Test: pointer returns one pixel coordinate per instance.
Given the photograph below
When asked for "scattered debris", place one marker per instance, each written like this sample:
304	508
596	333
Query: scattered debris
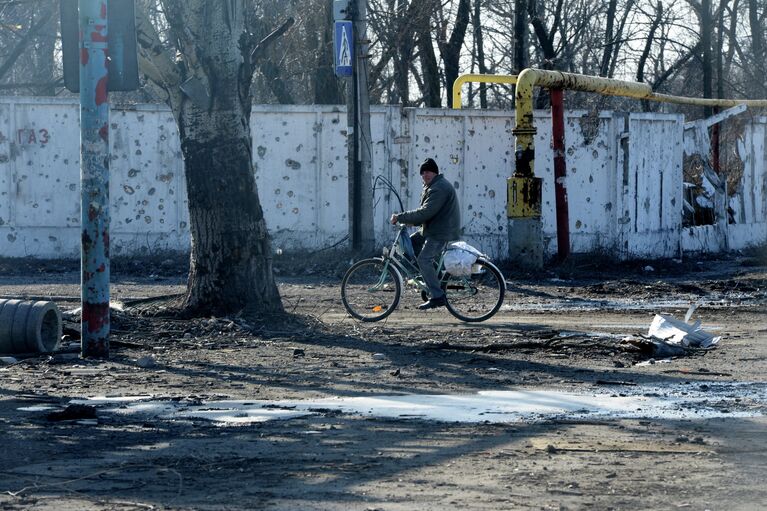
615	382
674	332
146	362
668	337
663	350
652	361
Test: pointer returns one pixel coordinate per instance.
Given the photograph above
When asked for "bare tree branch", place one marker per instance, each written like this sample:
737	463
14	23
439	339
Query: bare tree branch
22	45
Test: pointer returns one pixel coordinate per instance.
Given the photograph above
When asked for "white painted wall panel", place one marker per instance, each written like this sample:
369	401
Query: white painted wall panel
439	136
389	141
590	169
488	160
5	165
740	236
46	146
332	176
300	158
655	183
749	204
755	187
700	238
147	189
284	154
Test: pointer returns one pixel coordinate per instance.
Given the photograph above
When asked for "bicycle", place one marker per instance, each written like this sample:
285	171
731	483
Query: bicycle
371	288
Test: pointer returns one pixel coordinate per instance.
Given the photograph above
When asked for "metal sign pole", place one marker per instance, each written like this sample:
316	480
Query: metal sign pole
94	177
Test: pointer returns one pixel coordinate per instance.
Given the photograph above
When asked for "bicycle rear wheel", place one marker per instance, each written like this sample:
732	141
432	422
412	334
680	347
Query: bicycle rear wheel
477	297
371	289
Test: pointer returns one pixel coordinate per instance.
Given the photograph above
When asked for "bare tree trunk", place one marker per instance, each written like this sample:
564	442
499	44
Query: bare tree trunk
757	46
545	36
480	44
326	87
451	49
648	46
619	38
607	53
731	37
231	257
648	42
720	50
430	86
404	45
706	28
209	93
520	35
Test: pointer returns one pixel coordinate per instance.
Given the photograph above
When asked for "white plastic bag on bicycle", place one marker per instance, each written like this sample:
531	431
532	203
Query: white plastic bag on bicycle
459	258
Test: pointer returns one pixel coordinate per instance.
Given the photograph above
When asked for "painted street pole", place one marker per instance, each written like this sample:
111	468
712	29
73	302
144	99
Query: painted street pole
350	50
94	177
365	240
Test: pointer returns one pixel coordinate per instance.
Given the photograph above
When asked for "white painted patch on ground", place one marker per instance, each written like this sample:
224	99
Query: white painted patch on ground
679	402
632	304
37	408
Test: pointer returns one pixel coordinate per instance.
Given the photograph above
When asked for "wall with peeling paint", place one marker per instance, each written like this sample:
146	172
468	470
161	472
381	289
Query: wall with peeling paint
624	178
740	213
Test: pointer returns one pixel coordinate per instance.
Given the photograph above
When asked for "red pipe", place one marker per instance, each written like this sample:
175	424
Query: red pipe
560	174
715	144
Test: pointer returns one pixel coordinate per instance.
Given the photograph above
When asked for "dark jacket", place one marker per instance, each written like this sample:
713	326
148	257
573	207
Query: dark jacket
439	215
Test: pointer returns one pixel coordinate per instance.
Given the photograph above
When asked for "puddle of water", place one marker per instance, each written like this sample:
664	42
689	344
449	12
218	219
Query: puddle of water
711	400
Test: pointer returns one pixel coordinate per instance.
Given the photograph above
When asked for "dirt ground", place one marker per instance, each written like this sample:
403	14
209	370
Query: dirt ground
575	329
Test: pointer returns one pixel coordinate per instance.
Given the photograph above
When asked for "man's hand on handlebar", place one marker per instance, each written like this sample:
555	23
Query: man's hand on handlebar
393	219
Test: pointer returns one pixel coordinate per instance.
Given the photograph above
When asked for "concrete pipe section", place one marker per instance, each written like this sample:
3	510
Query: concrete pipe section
29	327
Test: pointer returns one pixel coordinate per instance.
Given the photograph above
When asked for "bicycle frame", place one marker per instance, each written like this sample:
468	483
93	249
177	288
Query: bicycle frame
409	270
398	263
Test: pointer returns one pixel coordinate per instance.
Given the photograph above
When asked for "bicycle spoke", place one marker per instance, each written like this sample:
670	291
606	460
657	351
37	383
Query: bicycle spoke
370	290
476	297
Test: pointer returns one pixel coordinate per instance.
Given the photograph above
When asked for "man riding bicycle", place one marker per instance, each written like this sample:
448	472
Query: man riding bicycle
440	219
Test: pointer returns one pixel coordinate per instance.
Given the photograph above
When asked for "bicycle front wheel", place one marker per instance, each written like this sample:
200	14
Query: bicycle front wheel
477	297
371	289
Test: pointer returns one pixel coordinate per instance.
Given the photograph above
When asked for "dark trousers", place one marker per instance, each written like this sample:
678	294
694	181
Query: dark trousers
428	250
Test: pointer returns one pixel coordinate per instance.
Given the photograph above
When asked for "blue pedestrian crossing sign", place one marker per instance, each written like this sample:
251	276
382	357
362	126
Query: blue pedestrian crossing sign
343	48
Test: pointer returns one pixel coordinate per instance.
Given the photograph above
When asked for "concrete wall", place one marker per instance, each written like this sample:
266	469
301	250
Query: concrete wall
624	178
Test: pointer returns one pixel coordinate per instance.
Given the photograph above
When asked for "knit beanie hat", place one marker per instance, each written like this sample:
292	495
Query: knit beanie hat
430	165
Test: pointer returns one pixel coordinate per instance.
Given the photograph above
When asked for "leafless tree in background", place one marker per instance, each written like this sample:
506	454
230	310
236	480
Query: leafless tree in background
27	47
417	48
451	47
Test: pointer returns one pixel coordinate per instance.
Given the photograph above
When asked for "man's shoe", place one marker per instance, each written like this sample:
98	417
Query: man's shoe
432	303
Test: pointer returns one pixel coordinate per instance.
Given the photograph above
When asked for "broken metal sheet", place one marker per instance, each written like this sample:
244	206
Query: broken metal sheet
716	118
669	330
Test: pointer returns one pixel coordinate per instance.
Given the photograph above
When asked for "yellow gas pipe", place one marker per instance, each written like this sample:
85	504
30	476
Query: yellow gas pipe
524	131
458	83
